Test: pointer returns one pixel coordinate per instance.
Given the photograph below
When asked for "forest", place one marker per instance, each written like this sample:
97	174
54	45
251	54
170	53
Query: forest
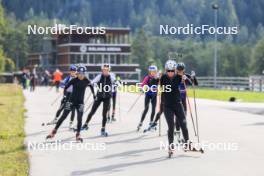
238	55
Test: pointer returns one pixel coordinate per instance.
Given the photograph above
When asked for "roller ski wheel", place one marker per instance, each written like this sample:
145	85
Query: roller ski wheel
104	133
78	138
51	135
170	152
190	148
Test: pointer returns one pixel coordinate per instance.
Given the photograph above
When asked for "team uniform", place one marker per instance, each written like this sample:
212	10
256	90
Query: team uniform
150	97
76	101
104	94
114	96
66	98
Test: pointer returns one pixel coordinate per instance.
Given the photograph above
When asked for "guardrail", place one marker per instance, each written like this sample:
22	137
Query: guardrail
252	83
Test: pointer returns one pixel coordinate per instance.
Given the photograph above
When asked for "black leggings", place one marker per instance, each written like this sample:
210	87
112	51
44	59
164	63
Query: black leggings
177	126
68	108
170	113
96	104
153	100
159	113
62	106
114	105
177	120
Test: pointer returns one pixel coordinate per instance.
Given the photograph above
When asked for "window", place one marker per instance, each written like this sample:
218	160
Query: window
91	59
106	59
113	59
98	58
85	58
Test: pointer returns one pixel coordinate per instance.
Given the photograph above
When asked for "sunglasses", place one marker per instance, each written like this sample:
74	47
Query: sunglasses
170	71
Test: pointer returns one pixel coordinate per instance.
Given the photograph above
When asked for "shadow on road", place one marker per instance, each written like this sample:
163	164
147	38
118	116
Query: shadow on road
118	167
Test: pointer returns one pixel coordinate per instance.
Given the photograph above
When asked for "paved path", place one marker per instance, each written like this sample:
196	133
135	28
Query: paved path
133	153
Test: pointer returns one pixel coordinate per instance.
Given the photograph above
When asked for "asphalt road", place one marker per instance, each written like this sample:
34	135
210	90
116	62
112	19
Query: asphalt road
232	136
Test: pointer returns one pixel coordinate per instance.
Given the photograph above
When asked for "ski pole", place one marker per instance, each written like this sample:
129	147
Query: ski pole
119	107
88	98
56	99
159	102
196	116
88	107
135	102
190	108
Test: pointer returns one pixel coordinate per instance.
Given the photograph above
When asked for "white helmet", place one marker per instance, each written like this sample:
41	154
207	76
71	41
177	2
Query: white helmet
170	65
106	66
153	68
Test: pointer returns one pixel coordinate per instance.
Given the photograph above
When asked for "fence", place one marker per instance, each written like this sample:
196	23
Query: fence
252	83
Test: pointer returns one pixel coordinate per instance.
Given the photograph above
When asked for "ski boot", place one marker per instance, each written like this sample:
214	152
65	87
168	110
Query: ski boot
51	135
178	136
139	126
170	150
78	138
103	132
84	127
151	127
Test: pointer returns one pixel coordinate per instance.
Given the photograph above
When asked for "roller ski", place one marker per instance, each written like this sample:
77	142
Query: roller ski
178	137
170	152
104	133
53	122
139	126
84	127
188	147
51	135
78	138
152	126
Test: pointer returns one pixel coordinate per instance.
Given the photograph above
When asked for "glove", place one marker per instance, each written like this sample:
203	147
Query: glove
184	77
141	90
193	74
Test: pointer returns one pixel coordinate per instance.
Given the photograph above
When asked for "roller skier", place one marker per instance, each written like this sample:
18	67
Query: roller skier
191	79
173	107
66	96
151	83
116	84
76	101
104	82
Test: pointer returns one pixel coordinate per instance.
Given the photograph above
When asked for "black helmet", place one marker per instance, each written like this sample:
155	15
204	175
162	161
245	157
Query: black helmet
81	69
180	66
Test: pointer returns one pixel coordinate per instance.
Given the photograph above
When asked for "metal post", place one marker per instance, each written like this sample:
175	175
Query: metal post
215	8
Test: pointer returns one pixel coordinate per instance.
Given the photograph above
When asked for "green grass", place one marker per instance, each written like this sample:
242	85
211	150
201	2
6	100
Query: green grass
13	156
224	95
